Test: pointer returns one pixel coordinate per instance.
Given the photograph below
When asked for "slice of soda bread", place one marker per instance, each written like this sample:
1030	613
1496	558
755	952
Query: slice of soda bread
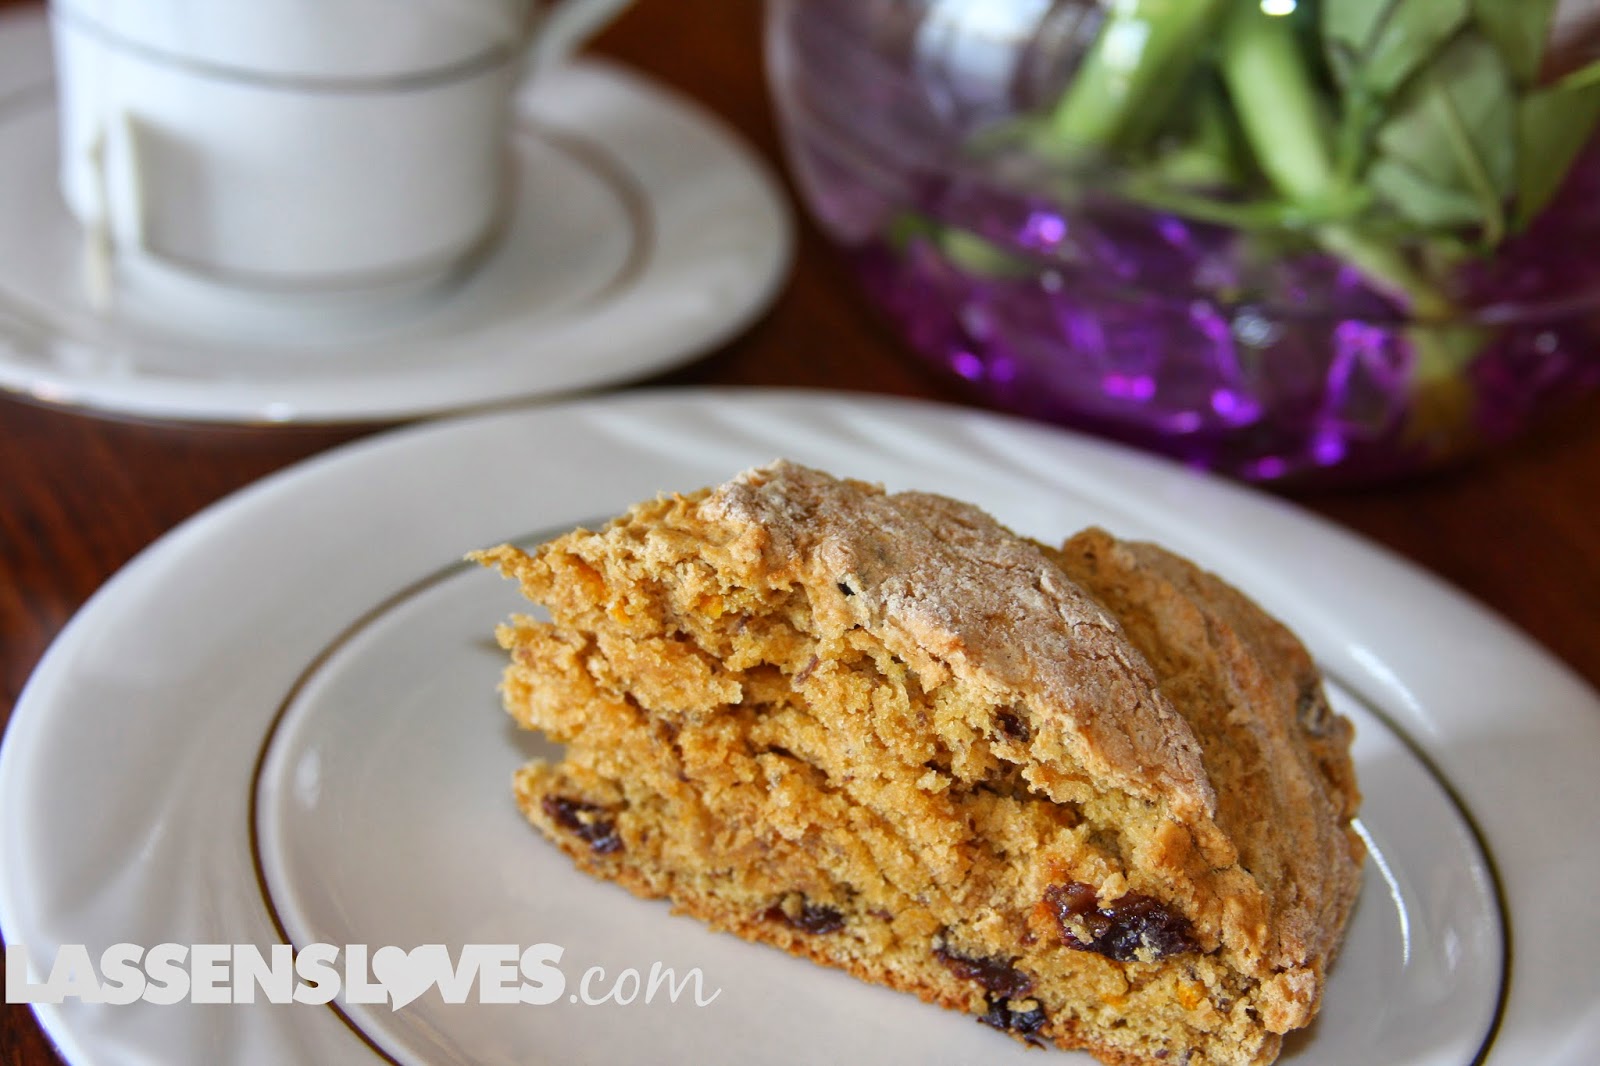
1091	795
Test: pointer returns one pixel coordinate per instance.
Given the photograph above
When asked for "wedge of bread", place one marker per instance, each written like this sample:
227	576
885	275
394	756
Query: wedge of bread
1091	795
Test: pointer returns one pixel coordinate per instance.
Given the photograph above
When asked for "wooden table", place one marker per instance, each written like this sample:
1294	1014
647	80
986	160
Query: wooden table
79	496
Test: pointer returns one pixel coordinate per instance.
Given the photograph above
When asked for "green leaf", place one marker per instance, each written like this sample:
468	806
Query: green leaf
1552	127
1351	24
1373	57
1408	38
1421	200
1519	28
1582	77
1454	127
1373	46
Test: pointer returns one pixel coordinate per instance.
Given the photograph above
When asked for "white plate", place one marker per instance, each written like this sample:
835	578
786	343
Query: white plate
280	721
644	233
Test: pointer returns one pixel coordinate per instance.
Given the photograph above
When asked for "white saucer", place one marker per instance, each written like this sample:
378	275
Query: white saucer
643	234
170	776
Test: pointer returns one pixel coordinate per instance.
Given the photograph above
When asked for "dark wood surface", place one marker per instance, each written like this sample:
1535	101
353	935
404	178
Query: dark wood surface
1519	530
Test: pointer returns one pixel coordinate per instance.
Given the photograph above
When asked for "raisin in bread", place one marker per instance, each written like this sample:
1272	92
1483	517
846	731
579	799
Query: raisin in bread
1091	795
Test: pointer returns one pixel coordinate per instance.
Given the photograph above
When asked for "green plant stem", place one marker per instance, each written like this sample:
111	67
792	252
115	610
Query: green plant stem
1276	103
1385	267
1143	50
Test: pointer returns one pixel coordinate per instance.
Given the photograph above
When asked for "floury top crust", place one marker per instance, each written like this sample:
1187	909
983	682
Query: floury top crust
954	592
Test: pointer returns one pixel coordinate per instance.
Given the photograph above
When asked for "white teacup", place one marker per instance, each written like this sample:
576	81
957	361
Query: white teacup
325	151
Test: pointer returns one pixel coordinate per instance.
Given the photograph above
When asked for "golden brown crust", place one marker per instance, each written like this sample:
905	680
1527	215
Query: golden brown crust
1089	794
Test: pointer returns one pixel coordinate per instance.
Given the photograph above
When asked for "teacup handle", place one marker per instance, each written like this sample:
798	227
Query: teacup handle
112	159
565	26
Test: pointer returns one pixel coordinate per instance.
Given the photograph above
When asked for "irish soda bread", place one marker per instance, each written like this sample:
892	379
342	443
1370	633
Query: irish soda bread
1090	795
